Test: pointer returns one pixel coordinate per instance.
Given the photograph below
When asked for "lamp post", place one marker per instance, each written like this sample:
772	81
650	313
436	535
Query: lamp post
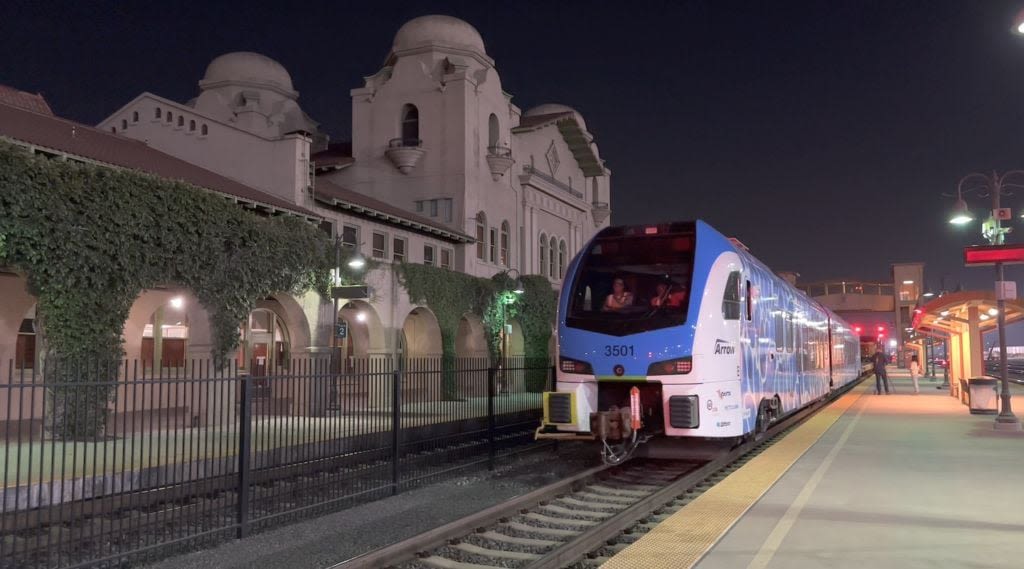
994	185
507	297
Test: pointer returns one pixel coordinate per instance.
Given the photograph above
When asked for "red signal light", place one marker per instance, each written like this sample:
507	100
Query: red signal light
881	329
857	329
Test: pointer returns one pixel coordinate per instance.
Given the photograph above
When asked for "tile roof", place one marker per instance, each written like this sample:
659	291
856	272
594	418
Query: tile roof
337	156
65	136
22	100
334	195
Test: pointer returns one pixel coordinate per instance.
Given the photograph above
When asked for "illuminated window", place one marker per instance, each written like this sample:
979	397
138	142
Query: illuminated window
504	242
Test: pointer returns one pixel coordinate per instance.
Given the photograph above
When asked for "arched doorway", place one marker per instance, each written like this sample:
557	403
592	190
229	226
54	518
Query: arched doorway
165	339
25	350
420	356
264	344
514	350
472	357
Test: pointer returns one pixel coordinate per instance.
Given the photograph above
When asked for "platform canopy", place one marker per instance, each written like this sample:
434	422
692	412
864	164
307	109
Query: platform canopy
962	318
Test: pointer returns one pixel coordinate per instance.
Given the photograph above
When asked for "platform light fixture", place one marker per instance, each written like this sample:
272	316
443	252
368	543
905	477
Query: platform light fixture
177	302
993	311
961	215
994	185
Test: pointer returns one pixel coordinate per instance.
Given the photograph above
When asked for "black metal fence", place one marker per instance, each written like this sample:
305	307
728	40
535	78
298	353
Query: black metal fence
107	465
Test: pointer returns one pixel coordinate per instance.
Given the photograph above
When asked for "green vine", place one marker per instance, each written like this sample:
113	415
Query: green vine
451	295
90	239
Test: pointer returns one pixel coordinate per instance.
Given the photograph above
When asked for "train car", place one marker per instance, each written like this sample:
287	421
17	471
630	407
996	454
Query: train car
674	330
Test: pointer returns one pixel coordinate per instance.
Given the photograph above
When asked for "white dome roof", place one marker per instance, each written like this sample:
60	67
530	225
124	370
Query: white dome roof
440	30
554	108
249	67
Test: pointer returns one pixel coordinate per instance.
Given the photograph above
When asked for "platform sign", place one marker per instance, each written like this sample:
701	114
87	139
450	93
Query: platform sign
1006	290
351	292
991	254
1002	214
342	331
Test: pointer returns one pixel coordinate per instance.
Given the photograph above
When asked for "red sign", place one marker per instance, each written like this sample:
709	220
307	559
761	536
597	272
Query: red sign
992	254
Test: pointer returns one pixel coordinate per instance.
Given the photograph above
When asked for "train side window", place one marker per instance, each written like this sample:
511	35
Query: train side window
731	298
780	330
750	303
790	332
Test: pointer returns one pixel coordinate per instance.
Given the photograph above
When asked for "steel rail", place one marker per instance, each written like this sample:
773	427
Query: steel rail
595	537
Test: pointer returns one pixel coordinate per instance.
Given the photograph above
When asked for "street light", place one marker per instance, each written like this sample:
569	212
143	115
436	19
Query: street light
517	290
994	185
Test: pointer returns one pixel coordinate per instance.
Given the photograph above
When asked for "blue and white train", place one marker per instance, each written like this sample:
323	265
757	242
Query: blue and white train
675	330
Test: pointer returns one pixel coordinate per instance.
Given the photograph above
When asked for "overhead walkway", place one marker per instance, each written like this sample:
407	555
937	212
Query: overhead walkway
877	481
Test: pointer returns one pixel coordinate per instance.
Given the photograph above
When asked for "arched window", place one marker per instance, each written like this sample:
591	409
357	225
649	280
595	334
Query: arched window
492	131
124	124
543	254
113	129
191	126
170	116
205	130
561	259
593	192
410	126
135	116
504	243
553	257
157	112
264	343
181	120
481	235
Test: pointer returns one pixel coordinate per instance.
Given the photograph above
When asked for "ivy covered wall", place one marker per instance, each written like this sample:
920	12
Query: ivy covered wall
451	295
90	239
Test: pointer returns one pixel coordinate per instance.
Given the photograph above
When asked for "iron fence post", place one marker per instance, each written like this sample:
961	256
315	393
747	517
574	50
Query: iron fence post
491	375
244	449
396	428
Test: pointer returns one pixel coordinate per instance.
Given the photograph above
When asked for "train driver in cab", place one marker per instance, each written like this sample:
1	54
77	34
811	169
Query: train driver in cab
619	298
668	295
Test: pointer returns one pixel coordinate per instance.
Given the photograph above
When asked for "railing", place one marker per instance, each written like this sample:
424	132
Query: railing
405	143
842	287
502	151
107	465
551	180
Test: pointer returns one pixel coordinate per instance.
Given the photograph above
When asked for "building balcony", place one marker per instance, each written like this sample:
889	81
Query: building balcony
405	153
600	212
529	171
499	160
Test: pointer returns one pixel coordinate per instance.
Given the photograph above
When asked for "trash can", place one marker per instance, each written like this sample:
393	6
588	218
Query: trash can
965	394
983	400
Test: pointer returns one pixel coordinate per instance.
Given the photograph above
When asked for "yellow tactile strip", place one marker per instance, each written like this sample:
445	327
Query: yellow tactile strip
681	540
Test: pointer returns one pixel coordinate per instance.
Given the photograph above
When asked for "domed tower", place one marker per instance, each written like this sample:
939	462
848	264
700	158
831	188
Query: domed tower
253	92
433	126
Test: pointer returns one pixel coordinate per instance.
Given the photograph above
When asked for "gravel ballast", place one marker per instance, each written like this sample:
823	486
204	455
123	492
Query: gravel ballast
331	539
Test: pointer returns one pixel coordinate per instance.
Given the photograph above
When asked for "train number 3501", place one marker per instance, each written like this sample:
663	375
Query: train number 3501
620	350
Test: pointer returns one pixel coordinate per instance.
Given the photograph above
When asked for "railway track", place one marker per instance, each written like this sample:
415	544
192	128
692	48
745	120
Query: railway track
577	522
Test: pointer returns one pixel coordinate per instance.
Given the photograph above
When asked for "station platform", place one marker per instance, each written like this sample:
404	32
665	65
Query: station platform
877	481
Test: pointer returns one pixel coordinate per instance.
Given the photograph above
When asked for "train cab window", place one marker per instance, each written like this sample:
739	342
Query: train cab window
731	304
629	282
750	303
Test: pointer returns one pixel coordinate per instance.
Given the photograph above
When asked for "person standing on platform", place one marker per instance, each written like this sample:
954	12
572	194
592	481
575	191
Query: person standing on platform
915	372
879	361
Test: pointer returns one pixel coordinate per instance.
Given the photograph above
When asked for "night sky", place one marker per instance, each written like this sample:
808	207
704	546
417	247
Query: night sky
822	134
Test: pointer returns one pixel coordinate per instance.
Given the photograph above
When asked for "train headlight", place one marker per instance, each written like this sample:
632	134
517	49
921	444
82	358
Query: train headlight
677	366
569	365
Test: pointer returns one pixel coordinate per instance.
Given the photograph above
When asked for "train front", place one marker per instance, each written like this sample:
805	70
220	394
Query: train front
628	325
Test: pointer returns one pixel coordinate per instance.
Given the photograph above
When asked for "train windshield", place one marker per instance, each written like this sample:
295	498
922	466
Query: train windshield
632	281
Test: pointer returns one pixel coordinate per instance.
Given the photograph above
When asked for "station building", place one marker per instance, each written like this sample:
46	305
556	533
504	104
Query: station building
884	310
441	169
